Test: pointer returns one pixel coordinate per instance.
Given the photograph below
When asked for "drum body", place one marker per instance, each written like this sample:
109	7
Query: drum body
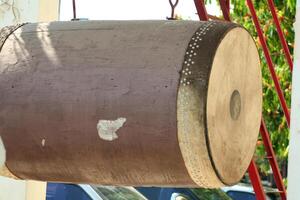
143	103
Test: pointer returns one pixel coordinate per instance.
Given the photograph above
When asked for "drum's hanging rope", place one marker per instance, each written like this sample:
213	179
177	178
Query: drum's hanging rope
173	6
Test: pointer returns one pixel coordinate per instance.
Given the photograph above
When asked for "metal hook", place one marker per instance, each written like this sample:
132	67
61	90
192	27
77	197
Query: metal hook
74	10
173	6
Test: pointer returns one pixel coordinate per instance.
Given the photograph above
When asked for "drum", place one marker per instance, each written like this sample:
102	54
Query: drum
140	103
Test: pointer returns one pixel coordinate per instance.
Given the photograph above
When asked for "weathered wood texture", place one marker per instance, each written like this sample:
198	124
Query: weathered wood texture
59	79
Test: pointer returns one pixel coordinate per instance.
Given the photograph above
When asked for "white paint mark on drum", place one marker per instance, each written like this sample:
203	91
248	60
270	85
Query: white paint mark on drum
107	129
43	142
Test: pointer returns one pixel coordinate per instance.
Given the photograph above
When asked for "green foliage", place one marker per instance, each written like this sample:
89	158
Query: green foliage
272	111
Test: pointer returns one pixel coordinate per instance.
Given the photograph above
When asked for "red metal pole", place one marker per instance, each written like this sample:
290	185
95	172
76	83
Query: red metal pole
228	5
201	10
225	9
280	34
272	159
269	61
74	9
255	180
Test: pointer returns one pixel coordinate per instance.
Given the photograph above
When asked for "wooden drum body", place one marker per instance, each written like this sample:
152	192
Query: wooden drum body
164	103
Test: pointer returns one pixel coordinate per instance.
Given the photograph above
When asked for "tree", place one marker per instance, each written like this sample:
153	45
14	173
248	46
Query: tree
272	112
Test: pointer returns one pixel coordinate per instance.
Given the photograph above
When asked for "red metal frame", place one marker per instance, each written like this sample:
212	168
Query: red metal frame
269	61
252	169
263	130
201	10
272	159
225	7
280	34
228	5
256	182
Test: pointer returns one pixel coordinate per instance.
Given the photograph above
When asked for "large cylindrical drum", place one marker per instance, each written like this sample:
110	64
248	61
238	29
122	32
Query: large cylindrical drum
143	103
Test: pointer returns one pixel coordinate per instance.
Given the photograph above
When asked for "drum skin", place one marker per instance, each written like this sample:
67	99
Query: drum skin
126	102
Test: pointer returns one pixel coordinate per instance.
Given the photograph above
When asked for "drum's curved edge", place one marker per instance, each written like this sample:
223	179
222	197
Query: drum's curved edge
5	33
209	179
